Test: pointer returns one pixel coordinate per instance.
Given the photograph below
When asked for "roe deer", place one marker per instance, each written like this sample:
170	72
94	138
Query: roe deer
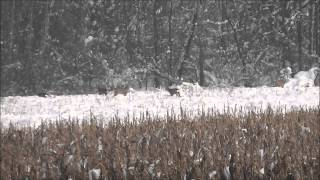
123	91
173	91
102	90
280	82
42	94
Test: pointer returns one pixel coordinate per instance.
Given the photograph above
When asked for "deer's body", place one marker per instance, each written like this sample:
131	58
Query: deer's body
174	91
123	91
102	90
280	82
42	94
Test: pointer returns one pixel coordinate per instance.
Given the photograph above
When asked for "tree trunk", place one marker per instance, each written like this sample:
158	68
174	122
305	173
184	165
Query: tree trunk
129	44
311	23
238	44
155	40
222	26
201	65
44	44
46	25
170	40
186	51
12	27
316	28
299	37
29	52
284	45
236	38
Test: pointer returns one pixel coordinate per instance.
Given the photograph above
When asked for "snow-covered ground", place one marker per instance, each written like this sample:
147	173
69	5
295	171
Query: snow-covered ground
32	109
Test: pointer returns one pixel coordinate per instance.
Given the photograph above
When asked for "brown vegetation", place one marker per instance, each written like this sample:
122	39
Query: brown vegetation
267	145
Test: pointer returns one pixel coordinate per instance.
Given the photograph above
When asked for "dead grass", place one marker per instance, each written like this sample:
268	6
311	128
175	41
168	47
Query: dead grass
212	146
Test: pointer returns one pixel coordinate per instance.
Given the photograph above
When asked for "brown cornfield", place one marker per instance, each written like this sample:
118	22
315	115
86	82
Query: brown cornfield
259	145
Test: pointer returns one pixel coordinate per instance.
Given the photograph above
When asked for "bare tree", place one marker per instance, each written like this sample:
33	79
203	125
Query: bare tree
12	30
170	39
155	40
186	50
316	27
299	35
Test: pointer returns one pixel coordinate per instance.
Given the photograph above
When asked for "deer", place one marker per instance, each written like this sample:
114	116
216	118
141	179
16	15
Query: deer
280	83
42	94
173	91
121	90
102	90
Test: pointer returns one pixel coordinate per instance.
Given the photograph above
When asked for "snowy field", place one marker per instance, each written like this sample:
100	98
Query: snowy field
32	110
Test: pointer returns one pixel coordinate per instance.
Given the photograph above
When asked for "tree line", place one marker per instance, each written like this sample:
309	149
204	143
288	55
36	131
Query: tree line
72	46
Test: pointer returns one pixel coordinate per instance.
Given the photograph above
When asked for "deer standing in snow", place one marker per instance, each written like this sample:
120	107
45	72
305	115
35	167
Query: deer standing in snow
173	91
124	91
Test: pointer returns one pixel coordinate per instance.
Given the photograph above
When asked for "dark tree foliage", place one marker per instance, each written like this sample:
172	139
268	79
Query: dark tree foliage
77	46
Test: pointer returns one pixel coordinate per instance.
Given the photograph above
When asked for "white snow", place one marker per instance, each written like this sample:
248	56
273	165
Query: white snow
226	172
310	75
261	171
94	174
302	79
212	174
31	110
88	40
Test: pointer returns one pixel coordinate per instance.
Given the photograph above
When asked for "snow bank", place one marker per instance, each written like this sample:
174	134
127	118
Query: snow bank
302	80
310	75
32	109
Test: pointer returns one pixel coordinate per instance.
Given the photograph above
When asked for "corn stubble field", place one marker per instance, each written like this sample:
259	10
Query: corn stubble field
264	145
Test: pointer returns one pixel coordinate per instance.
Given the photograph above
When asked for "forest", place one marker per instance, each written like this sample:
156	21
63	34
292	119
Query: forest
76	46
160	89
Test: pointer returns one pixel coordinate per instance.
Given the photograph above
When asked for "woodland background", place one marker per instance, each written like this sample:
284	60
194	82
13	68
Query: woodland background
75	46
